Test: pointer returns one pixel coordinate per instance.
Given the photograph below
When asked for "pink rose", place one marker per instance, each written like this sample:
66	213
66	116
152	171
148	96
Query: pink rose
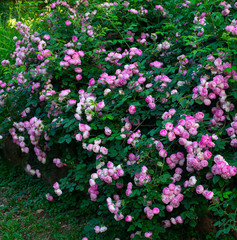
156	210
169	126
108	131
97	229
74	38
171	136
162	153
104	150
46	37
163	132
78	77
82	127
218	62
56	186
207	154
68	23
148	234
179	219
199	189
53	5
128	218
49	198
199	116
132	109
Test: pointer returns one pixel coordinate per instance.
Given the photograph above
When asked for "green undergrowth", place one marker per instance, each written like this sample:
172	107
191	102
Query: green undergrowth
7	44
27	215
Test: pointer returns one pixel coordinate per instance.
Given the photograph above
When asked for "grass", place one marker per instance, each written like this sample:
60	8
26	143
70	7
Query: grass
7	44
25	212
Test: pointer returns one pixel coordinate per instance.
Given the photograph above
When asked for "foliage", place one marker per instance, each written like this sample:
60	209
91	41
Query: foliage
18	9
137	100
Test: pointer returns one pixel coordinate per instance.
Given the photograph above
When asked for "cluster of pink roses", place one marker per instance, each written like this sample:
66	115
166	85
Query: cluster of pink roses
167	223
196	157
175	159
33	172
218	117
182	62
40	154
232	28
99	229
200	19
161	10
114	57
130	36
232	132
88	105
226	6
58	162
133	138
44	54
107	175
177	175
96	148
151	102
129	189
142	178
168	114
191	182
93	191
22	52
143	40
172	196
190	123
141	12
218	86
34	128
72	58
57	190
19	140
207	194
132	159
114	208
151	212
121	79
222	168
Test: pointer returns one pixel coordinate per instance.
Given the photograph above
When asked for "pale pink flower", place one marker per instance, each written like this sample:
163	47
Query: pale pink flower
104	150
49	198
218	62
58	192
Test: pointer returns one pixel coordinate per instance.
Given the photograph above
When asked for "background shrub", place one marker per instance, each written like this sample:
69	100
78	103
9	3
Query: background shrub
137	99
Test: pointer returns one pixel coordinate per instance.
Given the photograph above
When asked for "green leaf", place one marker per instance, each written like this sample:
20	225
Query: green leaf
216	179
193	223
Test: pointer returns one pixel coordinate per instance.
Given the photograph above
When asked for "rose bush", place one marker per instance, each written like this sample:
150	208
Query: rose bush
138	99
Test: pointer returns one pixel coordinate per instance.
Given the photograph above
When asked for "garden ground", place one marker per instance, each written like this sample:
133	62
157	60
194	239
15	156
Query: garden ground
24	214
